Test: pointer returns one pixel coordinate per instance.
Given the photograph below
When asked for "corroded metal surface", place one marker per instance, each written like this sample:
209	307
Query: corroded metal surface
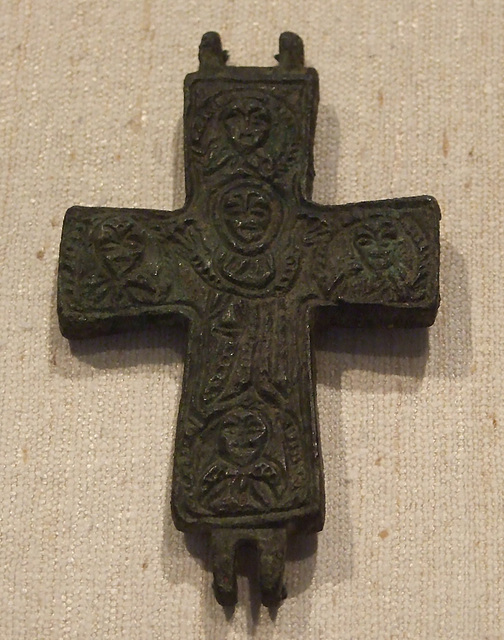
248	261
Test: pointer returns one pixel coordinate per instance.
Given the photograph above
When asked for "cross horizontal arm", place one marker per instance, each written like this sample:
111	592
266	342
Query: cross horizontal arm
120	268
376	263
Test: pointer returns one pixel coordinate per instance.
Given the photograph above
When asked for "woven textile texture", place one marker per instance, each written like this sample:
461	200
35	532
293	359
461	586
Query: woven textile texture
412	423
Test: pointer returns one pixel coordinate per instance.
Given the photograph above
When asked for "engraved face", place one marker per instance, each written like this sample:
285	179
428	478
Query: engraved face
378	244
242	437
257	130
120	244
247	124
248	216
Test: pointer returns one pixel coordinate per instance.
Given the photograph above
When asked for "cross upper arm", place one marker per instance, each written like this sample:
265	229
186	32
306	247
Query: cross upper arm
119	268
376	263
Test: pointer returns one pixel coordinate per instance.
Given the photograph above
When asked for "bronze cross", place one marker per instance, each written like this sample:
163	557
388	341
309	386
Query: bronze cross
249	262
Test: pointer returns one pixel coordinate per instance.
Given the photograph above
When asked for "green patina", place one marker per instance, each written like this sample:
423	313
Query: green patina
249	262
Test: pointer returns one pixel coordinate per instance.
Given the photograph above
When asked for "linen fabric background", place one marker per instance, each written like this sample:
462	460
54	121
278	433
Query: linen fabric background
411	98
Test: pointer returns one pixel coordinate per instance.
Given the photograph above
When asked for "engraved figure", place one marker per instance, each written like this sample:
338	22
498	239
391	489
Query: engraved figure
247	123
380	257
119	245
247	217
241	478
380	246
131	267
388	259
245	131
